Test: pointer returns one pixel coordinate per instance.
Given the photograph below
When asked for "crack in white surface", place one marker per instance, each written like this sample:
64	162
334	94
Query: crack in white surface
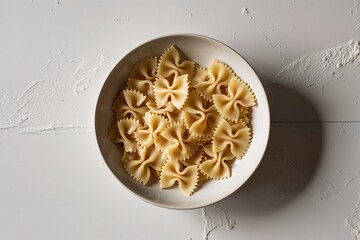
213	221
353	178
328	189
268	42
47	64
30	88
209	224
274	44
225	221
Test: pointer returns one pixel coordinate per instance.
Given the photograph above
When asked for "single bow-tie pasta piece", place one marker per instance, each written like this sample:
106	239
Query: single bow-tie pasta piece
142	76
174	90
144	69
200	116
144	164
179	144
239	97
173	172
235	137
215	81
130	104
126	129
215	166
149	133
171	65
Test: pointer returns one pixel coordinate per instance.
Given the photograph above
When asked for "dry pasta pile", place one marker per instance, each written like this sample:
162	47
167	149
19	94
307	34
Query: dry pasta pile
181	124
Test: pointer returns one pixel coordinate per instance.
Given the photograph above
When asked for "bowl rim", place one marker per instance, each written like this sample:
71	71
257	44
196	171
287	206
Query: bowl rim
95	135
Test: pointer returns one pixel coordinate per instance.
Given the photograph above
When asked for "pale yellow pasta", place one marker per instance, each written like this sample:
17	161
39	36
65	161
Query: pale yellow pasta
127	128
130	104
173	172
179	144
169	111
235	137
181	126
200	75
215	167
144	69
144	86
200	116
239	96
171	90
215	81
175	116
142	76
207	153
244	116
171	64
168	107
147	134
208	150
195	159
144	163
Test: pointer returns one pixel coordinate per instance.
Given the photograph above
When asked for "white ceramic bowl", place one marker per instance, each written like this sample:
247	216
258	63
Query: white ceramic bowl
201	50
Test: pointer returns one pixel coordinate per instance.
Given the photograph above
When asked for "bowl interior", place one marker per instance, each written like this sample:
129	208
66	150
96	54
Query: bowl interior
201	50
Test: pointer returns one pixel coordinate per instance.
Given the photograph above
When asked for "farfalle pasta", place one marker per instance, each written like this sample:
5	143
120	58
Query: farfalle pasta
144	163
125	134
167	108
195	159
149	133
172	65
214	80
130	104
142	76
200	116
173	91
233	137
180	145
181	124
145	69
239	97
173	172
215	166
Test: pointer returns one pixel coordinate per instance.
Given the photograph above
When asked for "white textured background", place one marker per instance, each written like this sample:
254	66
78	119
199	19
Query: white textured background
55	55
